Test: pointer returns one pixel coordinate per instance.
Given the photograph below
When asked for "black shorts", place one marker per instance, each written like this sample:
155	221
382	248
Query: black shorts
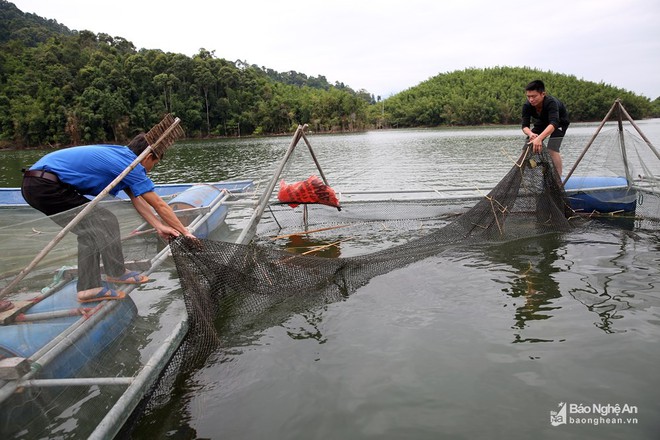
556	138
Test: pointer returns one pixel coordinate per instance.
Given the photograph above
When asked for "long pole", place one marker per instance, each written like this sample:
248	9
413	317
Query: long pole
88	207
244	237
622	144
318	165
591	141
648	142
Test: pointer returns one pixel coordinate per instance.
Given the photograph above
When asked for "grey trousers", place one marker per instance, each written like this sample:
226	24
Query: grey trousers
98	232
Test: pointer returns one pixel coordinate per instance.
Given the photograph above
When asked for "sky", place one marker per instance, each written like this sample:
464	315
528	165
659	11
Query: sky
387	46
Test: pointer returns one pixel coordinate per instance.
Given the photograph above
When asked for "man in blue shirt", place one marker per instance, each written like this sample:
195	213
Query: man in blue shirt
550	121
59	182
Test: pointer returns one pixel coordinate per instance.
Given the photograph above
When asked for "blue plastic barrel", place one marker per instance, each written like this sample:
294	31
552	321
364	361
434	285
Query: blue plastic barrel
602	194
199	196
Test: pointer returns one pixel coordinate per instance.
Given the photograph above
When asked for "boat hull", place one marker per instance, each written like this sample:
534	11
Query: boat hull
11	197
24	339
590	194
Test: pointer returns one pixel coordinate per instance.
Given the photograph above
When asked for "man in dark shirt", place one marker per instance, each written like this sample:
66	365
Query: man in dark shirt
550	121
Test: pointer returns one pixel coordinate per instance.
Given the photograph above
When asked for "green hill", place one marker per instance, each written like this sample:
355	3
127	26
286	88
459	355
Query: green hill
29	29
495	96
60	87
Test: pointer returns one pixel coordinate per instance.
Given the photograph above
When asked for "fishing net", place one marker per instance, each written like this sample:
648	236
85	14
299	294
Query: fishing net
228	287
232	291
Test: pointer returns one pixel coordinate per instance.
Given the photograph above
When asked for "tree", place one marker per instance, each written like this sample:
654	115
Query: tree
205	81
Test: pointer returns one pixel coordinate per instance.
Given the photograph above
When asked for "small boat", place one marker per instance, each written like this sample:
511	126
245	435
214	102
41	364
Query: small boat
50	342
42	318
46	317
11	197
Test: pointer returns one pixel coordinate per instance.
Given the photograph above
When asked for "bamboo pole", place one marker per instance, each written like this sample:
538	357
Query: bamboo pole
622	144
79	381
244	237
124	406
591	141
32	317
320	248
318	165
648	142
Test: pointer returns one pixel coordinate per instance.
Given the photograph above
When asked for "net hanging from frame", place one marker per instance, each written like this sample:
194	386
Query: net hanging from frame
228	287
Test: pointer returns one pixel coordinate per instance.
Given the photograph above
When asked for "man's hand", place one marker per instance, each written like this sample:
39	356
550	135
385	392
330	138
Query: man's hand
536	142
167	232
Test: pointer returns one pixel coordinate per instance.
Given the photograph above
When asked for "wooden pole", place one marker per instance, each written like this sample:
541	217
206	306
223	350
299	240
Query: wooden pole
311	231
244	237
325	246
318	166
648	142
591	141
622	143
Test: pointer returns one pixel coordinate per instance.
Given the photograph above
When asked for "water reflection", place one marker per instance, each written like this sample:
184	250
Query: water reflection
306	245
532	281
306	325
591	265
605	286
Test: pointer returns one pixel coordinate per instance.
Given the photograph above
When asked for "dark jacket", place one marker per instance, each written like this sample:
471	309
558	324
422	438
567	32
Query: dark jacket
553	112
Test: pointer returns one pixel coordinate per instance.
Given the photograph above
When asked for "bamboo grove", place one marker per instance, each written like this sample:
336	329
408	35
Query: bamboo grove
60	87
495	96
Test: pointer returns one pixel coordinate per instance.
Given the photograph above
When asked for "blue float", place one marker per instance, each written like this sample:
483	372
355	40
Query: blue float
587	194
199	196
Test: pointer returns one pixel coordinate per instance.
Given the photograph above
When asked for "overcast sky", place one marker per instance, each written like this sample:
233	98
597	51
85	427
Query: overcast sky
386	46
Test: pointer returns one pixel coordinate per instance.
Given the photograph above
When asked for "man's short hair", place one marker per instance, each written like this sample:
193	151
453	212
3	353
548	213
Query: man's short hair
536	86
139	143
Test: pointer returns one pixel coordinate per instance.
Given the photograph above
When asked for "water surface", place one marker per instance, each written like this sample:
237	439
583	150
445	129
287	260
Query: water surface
474	343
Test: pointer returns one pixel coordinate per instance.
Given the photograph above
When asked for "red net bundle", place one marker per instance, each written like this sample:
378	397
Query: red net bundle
312	190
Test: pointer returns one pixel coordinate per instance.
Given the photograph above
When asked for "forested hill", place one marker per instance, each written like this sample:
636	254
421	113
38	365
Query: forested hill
60	87
495	96
63	87
30	29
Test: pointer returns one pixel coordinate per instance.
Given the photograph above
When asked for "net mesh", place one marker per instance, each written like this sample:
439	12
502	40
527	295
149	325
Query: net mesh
228	287
232	291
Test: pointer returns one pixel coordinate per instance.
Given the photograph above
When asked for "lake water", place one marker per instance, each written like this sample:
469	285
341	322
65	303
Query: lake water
478	343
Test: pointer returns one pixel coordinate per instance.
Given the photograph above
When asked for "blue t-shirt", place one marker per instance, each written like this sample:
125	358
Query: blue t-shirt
91	168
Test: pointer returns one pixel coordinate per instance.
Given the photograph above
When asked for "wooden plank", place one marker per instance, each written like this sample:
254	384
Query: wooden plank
8	316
